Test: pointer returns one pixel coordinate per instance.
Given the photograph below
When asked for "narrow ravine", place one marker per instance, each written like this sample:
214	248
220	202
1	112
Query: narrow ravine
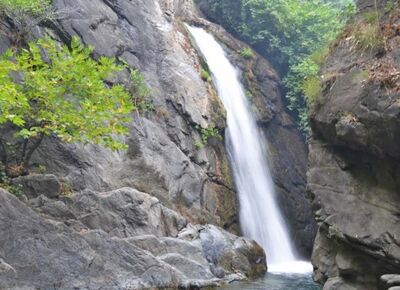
260	216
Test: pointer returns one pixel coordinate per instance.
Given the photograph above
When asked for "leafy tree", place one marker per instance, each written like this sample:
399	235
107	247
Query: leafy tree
48	90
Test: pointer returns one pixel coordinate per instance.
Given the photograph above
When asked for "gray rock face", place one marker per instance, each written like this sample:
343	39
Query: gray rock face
64	247
353	174
122	213
162	158
37	184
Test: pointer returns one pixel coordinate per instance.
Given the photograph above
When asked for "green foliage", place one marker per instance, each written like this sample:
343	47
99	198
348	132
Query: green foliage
48	90
249	95
312	90
289	32
319	56
205	75
371	17
294	82
142	95
288	29
367	34
206	134
66	188
5	183
247	53
389	7
25	15
34	7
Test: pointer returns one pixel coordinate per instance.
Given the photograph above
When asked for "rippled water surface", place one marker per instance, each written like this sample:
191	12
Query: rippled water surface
277	282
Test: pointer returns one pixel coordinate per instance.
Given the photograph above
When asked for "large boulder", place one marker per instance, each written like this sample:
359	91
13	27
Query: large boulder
50	250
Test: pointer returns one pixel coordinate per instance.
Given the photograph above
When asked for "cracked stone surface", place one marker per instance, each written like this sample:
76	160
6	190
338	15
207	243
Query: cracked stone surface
66	244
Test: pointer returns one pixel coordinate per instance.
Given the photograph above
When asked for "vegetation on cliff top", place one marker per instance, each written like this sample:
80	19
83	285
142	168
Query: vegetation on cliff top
26	6
24	16
289	32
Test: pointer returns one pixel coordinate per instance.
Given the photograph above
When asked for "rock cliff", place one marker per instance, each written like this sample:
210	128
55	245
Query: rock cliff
353	174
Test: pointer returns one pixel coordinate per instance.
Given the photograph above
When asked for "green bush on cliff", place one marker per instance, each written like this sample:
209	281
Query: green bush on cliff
140	92
28	6
206	134
25	15
367	34
247	53
48	90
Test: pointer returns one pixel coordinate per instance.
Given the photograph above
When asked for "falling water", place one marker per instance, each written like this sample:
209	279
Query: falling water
260	217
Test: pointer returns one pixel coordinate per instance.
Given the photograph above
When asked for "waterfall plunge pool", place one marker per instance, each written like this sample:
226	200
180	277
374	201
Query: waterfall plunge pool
272	281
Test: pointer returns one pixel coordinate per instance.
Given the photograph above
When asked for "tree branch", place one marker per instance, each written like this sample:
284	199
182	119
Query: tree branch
4	156
35	146
24	148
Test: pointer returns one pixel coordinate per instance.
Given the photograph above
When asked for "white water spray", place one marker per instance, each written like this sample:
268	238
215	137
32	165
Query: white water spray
260	217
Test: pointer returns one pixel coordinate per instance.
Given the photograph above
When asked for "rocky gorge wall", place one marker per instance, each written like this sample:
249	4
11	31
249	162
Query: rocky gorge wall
142	203
353	175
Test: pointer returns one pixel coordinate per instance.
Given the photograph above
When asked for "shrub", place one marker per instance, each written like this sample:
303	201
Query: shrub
25	15
319	56
205	75
206	134
312	90
142	100
247	53
60	92
367	36
33	7
5	182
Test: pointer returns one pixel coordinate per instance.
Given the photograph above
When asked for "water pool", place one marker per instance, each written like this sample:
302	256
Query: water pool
277	282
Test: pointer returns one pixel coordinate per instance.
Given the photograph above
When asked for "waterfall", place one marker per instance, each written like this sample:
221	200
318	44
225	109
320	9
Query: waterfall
260	216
